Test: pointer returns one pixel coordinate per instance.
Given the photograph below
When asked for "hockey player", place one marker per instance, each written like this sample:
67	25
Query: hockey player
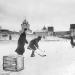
33	45
21	43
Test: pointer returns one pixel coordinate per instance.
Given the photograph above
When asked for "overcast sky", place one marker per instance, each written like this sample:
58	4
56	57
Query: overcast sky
57	13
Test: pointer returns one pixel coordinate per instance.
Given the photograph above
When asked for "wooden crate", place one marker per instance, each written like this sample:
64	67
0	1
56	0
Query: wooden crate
13	63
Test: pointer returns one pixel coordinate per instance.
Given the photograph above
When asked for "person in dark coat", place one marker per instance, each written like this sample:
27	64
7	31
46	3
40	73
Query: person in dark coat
21	43
72	42
10	37
33	45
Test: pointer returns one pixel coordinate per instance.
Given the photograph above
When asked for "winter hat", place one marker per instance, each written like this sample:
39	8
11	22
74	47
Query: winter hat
39	37
25	29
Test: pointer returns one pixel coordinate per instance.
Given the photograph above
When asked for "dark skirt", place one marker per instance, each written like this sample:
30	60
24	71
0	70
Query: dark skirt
20	50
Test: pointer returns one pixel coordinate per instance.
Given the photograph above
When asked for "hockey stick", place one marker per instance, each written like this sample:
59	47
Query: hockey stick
38	53
41	55
41	50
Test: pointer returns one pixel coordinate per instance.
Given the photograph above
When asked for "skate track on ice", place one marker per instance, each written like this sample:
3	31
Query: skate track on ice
60	59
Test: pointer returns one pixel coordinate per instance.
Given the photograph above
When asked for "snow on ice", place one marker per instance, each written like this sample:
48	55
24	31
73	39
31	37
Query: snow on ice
60	59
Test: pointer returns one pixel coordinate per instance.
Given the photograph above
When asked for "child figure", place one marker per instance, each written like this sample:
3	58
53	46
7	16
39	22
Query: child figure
33	45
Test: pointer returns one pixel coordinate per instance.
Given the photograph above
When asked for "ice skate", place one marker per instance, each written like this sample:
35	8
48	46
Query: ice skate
32	55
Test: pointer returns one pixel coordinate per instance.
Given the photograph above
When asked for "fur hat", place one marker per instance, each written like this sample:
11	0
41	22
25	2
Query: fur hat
25	29
39	37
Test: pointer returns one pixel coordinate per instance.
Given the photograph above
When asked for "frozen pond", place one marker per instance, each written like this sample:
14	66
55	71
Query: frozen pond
60	59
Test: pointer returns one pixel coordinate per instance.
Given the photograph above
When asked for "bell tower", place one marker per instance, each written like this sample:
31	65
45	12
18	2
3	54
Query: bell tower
24	25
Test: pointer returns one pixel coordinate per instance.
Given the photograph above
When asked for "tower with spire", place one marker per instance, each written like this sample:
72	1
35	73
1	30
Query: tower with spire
25	24
44	29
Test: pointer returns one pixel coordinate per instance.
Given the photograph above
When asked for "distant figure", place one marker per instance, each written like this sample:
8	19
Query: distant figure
33	45
72	42
21	42
10	37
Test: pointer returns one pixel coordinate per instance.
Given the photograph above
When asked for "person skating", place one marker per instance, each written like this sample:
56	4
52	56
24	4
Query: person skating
33	45
21	43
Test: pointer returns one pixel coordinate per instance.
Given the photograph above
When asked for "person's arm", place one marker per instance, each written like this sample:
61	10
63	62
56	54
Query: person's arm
26	41
36	44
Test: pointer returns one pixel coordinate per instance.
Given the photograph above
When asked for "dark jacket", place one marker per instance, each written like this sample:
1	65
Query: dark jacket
21	43
72	42
34	44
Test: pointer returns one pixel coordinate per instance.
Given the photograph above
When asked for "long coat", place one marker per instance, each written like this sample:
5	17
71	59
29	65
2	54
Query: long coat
21	43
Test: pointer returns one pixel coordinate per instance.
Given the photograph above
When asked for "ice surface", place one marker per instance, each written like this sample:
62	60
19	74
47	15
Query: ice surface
60	59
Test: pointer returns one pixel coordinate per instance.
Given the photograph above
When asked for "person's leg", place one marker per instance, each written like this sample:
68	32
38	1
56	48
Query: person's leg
32	54
28	48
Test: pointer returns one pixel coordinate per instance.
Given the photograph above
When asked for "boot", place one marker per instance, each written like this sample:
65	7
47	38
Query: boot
32	55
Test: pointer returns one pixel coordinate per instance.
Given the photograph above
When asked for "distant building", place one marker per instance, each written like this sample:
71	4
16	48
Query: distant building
72	26
40	33
44	29
62	33
7	34
45	32
50	30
